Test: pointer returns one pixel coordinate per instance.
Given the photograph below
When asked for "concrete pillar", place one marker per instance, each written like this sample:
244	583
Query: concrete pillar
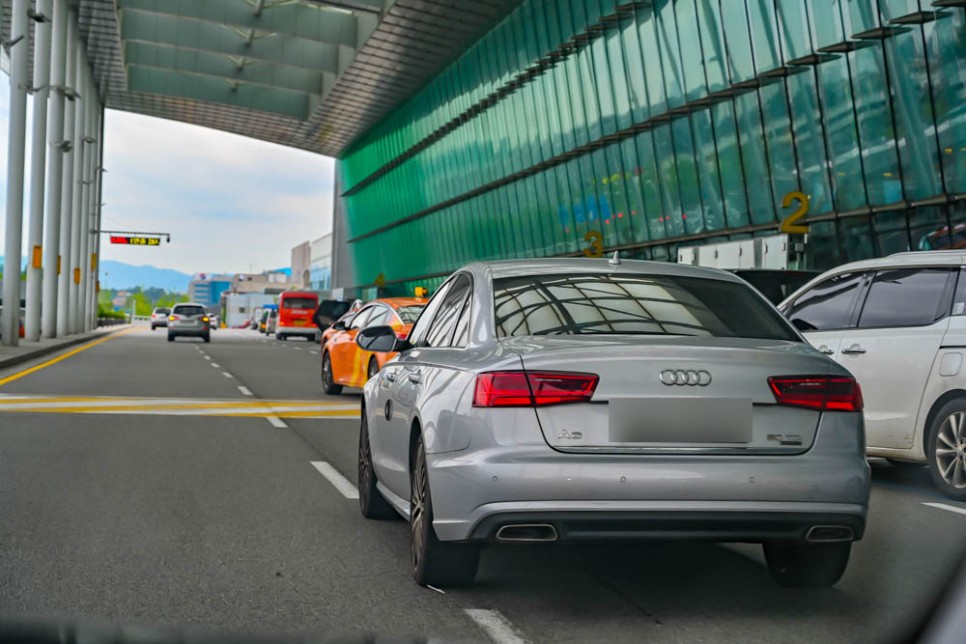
87	185
67	183
20	42
96	216
55	165
38	158
80	112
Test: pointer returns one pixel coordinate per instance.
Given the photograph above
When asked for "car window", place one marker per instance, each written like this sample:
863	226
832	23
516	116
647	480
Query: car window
461	337
379	317
633	304
299	303
409	314
827	305
907	297
359	321
441	332
418	335
162	311
189	310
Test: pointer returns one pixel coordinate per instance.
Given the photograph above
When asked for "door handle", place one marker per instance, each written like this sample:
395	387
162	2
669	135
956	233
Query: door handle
854	350
415	378
824	349
391	376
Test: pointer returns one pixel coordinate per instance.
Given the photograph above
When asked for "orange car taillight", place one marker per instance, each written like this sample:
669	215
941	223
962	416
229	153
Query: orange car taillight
821	393
535	388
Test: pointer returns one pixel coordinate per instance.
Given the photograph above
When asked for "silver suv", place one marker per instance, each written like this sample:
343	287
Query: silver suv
189	320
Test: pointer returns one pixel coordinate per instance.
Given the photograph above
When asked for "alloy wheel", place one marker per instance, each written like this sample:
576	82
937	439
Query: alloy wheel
365	466
417	510
951	450
327	371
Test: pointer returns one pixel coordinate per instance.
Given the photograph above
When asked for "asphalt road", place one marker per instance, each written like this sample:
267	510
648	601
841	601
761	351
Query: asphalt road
164	516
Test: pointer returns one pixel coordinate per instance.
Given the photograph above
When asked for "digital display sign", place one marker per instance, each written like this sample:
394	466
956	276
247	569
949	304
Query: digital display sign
134	240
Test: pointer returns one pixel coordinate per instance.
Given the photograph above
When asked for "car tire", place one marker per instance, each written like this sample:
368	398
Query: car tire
328	383
206	337
371	502
170	337
807	565
280	337
372	369
434	562
946	449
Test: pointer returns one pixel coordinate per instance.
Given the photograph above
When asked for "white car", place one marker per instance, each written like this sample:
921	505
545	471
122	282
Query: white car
898	324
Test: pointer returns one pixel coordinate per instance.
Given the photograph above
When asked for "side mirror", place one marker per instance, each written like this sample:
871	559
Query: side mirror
339	326
380	339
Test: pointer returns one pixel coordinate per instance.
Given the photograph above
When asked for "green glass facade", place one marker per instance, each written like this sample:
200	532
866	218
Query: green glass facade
663	123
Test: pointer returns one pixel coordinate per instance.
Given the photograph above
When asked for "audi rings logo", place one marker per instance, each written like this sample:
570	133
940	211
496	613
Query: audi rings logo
686	377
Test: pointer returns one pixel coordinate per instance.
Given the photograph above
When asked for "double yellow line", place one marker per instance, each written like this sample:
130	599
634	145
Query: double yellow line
63	356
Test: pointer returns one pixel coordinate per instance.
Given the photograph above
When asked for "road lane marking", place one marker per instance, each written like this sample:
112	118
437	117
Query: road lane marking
497	627
207	357
245	391
339	482
313	352
176	407
948	508
226	374
277	422
53	361
215	365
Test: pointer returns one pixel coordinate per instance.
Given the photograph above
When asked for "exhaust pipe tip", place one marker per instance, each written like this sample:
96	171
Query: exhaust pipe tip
527	533
829	534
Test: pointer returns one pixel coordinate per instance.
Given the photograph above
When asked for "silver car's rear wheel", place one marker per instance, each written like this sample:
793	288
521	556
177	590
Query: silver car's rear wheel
946	449
434	562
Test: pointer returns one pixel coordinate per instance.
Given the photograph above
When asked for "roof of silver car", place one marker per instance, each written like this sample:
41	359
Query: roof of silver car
517	267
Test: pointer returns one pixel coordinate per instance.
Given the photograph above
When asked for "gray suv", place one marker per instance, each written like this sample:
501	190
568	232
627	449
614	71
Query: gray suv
189	320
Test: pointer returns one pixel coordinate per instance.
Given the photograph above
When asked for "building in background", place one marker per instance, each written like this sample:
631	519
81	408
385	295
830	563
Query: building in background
272	282
301	261
576	127
206	289
240	307
320	266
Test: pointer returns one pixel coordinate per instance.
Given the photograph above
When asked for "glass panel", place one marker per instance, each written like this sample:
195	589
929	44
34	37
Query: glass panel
690	41
792	17
848	186
667	38
946	48
812	161
778	136
823	251
650	186
692	216
764	35
738	39
650	53
826	23
929	229
634	70
907	297
667	178
709	180
827	305
891	233
713	44
733	167
855	235
859	16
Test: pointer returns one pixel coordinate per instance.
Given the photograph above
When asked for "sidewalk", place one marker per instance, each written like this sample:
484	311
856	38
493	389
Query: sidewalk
26	351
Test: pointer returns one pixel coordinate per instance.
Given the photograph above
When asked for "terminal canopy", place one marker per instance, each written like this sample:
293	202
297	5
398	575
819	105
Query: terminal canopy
311	74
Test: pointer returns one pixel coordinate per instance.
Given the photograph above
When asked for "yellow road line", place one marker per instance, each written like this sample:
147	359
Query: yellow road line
74	352
160	403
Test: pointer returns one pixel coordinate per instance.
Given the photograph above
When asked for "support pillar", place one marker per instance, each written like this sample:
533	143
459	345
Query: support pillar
38	159
20	42
63	267
87	182
80	109
55	165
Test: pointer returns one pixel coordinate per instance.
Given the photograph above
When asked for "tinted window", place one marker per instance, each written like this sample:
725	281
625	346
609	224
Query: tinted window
359	321
633	304
461	337
162	311
776	285
418	334
299	303
907	297
379	317
826	305
409	314
189	310
441	332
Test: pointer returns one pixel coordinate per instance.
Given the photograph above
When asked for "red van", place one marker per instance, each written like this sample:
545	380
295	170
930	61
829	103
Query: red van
295	310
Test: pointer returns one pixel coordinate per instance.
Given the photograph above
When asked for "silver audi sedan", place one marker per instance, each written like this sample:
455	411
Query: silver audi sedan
580	400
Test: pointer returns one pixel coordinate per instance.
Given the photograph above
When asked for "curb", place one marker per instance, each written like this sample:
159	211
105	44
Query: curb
46	351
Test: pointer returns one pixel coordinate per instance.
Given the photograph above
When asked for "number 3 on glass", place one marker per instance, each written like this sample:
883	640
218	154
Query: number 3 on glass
595	244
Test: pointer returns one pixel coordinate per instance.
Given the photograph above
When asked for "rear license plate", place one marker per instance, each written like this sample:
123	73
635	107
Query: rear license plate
298	322
680	420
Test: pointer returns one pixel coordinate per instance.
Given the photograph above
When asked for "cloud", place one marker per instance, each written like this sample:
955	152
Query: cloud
230	203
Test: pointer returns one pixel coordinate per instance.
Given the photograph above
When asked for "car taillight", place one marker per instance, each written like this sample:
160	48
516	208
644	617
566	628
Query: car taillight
822	393
173	318
536	388
204	319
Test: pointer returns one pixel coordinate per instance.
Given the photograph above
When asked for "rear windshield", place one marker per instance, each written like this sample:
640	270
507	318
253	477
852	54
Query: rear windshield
189	310
408	314
162	311
299	303
633	305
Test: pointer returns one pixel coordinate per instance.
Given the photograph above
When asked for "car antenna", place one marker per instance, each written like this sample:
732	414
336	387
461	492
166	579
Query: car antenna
616	259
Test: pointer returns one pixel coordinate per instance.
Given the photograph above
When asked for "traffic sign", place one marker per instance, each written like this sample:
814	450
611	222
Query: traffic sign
135	240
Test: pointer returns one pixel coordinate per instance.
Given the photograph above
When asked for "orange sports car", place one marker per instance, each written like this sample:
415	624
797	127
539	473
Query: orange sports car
344	364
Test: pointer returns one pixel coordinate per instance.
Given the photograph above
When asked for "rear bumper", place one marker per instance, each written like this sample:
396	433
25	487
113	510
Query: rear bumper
188	332
308	331
575	522
159	323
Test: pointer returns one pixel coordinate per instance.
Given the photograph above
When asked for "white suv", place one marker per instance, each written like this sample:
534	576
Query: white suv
899	325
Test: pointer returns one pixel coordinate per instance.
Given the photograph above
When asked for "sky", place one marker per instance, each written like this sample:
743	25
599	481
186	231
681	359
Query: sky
231	204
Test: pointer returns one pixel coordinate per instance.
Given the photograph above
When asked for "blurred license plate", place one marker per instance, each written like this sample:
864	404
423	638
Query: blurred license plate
680	420
299	322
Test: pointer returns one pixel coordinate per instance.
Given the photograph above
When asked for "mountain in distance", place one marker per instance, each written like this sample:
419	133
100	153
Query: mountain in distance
118	275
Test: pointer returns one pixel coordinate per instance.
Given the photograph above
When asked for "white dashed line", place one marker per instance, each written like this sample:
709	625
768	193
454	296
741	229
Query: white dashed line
314	352
245	391
948	508
277	422
496	626
339	482
297	348
216	365
226	374
207	357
